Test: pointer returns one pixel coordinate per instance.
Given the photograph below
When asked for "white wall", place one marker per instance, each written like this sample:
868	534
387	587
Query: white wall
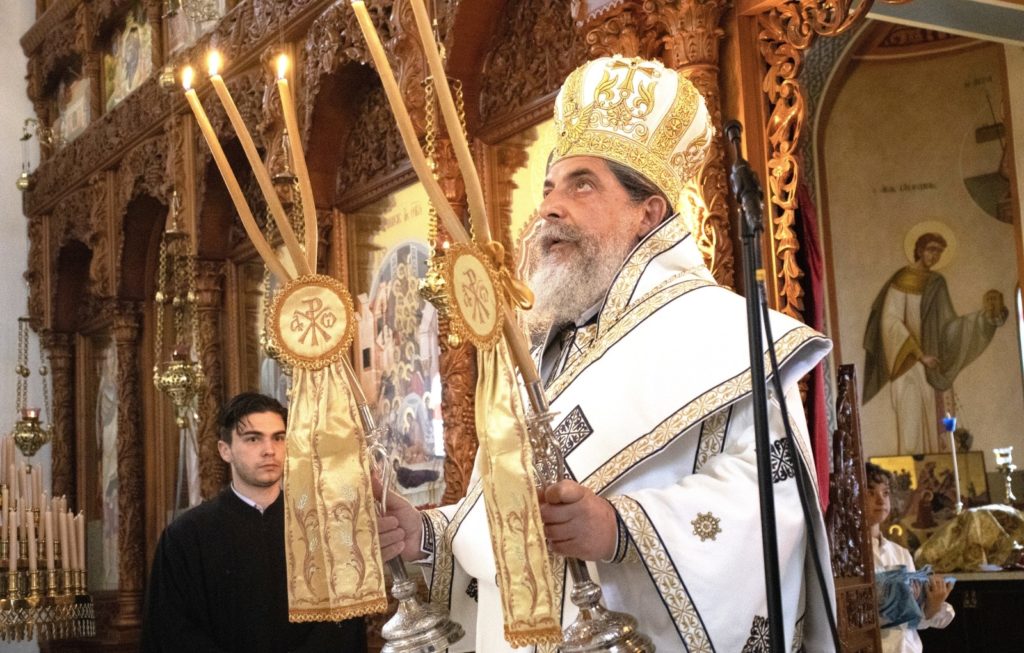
14	108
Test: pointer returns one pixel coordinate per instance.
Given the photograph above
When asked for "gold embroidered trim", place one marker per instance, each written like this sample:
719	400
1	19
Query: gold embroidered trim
807	458
311	322
694	411
298	615
444	558
615	332
471	280
665	575
442	566
559	570
625	282
712	437
513	511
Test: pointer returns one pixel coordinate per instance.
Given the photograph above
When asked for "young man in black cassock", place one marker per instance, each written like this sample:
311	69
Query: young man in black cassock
219	581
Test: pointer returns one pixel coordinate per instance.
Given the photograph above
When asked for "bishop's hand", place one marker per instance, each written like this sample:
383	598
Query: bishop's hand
400	528
577	522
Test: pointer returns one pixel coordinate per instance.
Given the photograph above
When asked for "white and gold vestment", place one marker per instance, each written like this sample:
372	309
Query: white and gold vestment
654	414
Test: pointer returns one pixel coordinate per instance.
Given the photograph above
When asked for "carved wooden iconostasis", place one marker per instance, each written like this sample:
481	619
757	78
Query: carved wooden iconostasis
103	194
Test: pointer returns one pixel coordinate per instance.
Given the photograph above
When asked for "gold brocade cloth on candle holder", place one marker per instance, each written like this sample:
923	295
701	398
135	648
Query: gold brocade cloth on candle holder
479	287
529	598
331	543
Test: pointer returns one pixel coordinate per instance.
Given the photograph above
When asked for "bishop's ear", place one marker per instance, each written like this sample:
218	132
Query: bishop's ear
654	209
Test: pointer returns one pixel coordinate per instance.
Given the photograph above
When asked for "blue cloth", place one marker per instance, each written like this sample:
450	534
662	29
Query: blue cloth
896	601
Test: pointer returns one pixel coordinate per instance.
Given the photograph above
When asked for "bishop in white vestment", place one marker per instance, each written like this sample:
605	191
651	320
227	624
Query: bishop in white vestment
651	388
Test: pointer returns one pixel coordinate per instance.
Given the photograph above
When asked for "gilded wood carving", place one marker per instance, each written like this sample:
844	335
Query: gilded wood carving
691	41
536	46
785	33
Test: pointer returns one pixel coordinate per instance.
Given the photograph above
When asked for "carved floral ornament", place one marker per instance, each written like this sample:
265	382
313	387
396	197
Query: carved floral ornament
785	31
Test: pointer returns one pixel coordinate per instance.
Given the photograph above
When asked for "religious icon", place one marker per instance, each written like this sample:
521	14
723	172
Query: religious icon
917	344
129	60
924	493
398	361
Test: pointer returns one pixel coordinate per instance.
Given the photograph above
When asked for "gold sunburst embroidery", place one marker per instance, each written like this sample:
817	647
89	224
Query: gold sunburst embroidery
706	526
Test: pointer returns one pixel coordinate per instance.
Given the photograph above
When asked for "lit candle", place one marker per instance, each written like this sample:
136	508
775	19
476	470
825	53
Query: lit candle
405	128
31	526
48	537
62	529
80	544
474	191
231	182
256	162
295	143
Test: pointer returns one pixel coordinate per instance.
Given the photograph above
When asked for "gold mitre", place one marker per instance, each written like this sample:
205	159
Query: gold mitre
638	113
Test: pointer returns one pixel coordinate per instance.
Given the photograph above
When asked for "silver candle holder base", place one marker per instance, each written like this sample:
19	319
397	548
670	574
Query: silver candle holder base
598	629
416	627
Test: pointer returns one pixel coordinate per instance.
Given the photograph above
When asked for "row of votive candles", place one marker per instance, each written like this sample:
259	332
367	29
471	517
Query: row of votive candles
40	531
31	525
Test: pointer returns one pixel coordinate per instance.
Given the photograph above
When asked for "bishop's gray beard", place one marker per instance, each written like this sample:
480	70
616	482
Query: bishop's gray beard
565	289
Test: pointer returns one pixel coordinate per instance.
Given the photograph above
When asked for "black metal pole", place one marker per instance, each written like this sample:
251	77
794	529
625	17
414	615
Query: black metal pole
747	191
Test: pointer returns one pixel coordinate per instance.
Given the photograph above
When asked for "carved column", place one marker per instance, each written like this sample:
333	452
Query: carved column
62	380
692	48
154	16
502	162
785	31
209	283
130	471
457	362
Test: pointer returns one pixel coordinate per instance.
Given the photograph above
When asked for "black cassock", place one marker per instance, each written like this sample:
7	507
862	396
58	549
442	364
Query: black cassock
219	584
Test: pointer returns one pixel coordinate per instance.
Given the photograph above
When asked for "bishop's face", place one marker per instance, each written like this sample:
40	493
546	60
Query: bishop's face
590	224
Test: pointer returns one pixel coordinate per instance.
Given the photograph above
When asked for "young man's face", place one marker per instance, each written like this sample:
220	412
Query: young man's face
877	504
256	452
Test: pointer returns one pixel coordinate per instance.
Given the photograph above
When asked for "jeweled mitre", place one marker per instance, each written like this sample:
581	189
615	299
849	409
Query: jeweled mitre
638	113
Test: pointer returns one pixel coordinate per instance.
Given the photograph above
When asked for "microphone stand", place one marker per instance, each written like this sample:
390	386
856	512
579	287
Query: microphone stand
747	191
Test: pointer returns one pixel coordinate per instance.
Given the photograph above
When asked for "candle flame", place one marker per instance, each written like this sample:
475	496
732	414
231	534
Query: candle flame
282	65
186	77
213	62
